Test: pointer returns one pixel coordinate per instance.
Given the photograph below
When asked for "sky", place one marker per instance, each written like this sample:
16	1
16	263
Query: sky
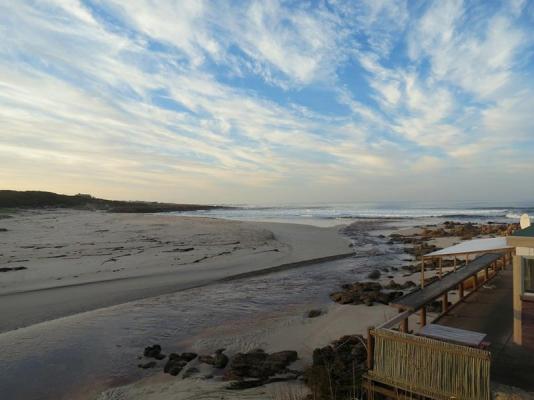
268	101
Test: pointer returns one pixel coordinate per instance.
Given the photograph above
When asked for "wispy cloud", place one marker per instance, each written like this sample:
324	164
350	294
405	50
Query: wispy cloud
213	101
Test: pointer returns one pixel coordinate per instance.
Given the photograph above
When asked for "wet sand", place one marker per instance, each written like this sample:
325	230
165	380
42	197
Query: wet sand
77	261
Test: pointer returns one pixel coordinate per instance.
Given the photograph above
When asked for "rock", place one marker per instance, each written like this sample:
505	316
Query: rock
260	365
220	360
188	356
374	274
206	359
342	297
174	366
276	363
153	352
150	364
177	362
314	313
3	230
190	372
248	364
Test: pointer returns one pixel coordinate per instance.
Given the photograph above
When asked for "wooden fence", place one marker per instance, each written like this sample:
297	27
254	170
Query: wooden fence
429	367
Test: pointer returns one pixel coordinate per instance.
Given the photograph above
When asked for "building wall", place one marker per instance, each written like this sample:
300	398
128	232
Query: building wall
523	305
527	323
524	251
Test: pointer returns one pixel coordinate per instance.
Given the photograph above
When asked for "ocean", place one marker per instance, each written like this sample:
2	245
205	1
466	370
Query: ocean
343	213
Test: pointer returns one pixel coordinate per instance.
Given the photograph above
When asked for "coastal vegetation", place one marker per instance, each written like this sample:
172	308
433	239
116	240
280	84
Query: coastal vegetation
39	199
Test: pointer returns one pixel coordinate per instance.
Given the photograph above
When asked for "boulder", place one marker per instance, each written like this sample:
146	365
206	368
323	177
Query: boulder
220	360
174	366
314	313
375	274
190	372
188	356
260	365
206	359
154	352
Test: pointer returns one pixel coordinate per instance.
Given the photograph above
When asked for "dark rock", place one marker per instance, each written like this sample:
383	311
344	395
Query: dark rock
258	364
153	351
3	230
188	356
276	363
190	372
150	364
220	360
374	274
314	313
343	297
248	364
206	359
174	366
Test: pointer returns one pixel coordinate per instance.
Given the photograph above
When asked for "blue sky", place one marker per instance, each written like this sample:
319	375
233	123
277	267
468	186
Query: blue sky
267	101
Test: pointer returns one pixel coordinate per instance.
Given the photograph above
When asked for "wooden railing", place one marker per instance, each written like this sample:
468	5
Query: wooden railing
428	367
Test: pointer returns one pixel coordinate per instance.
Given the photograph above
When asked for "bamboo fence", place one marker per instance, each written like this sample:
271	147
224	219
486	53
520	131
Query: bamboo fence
429	367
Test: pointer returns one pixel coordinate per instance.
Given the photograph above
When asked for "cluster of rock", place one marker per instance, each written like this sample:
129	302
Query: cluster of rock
257	368
246	370
338	365
177	362
370	292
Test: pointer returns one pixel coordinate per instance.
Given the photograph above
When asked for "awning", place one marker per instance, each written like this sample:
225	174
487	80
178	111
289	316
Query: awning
473	246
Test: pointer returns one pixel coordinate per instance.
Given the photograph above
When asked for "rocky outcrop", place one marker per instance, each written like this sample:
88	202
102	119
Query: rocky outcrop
257	367
154	351
314	313
375	274
177	362
218	360
364	293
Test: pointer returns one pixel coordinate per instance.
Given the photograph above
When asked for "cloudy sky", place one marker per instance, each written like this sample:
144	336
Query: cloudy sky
267	101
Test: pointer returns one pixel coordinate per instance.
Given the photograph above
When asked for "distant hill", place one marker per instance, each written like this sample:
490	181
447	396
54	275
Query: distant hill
38	199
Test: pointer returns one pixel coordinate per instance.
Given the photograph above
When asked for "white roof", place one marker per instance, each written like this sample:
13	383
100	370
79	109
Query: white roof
473	246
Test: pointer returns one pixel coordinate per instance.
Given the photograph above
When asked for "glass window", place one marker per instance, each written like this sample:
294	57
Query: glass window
528	275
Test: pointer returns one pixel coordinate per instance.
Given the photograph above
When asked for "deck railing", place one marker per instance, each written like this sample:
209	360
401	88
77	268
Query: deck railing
429	367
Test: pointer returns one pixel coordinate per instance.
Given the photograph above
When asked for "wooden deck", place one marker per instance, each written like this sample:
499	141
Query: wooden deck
416	300
490	310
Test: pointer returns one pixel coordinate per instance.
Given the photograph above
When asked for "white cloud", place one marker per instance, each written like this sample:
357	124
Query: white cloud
77	96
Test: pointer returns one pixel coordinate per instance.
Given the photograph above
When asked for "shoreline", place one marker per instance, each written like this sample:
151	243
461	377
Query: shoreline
268	248
261	308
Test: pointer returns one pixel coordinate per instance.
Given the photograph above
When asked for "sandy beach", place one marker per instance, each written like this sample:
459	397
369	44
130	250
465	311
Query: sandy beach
88	290
98	259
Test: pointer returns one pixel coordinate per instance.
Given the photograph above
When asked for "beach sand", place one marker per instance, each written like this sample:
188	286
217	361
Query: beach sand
96	259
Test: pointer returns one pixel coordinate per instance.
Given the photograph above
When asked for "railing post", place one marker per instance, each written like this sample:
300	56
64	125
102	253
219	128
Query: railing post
370	351
445	302
423	316
422	272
